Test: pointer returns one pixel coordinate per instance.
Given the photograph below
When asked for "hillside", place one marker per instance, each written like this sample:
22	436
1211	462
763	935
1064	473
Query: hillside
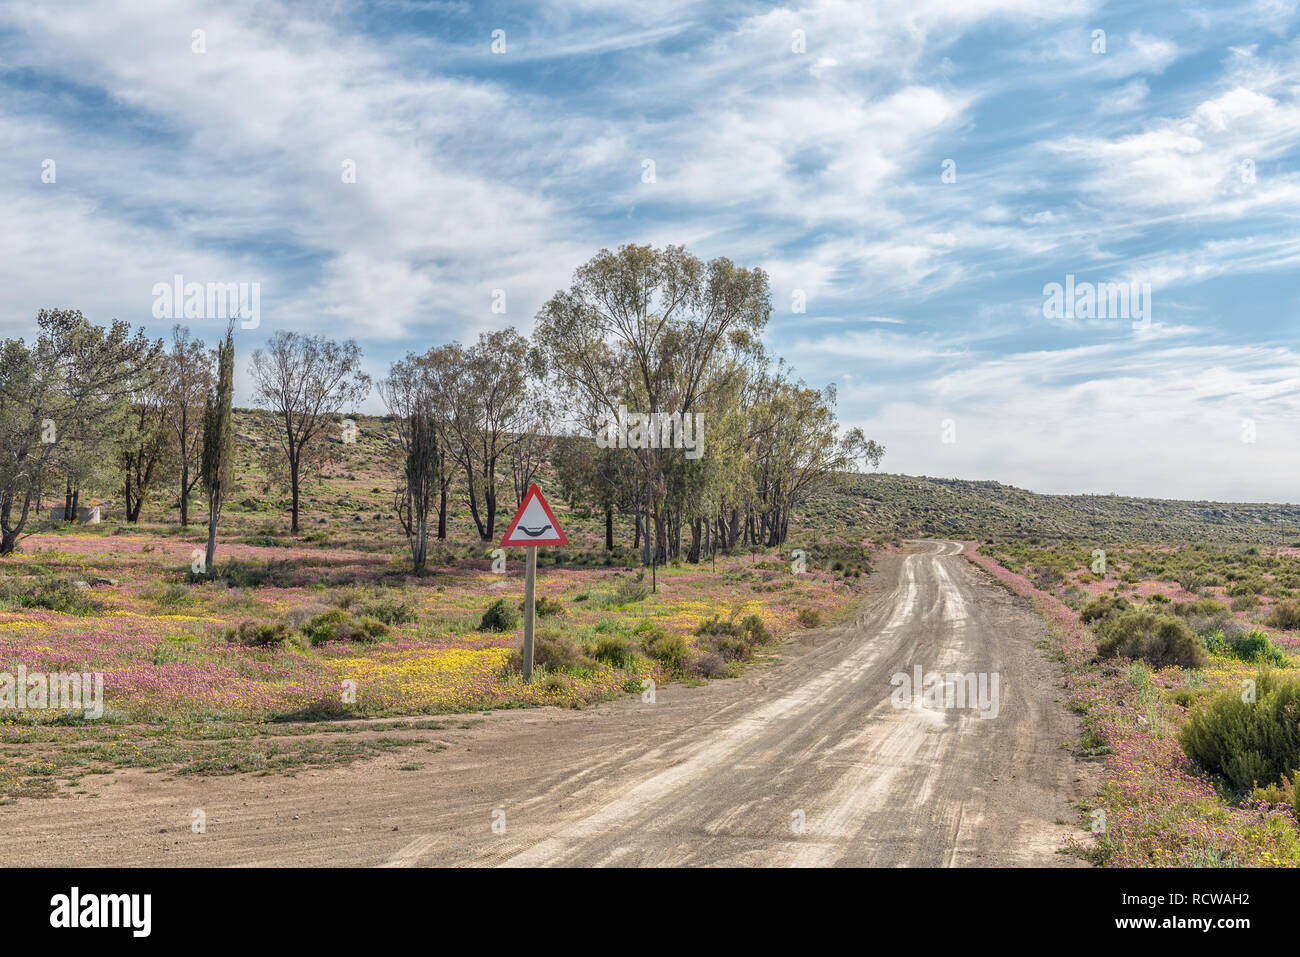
904	505
356	490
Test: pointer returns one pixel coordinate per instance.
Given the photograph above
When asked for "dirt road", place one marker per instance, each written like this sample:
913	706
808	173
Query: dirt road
806	762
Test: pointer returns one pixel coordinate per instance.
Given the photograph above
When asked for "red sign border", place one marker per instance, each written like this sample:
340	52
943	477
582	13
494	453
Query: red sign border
533	490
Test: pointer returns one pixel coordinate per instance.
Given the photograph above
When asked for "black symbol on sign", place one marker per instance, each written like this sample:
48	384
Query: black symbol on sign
533	534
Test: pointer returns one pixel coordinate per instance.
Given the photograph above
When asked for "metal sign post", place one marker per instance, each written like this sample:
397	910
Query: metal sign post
534	525
530	584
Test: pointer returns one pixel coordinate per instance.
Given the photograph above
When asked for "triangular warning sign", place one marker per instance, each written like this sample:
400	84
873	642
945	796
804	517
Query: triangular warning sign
534	523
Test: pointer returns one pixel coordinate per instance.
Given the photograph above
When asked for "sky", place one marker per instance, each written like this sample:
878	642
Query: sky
913	176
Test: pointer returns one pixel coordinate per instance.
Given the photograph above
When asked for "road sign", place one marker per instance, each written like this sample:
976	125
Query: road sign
534	524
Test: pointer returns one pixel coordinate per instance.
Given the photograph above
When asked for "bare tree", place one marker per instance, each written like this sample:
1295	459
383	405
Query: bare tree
306	381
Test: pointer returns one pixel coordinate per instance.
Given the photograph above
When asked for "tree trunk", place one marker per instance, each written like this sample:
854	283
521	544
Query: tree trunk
185	495
609	528
442	514
212	538
293	483
697	534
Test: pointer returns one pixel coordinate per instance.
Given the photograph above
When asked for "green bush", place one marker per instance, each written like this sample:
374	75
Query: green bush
667	648
546	607
52	594
558	651
259	634
391	610
628	591
613	649
1248	743
1285	615
338	624
1256	646
501	615
1104	607
1158	639
810	617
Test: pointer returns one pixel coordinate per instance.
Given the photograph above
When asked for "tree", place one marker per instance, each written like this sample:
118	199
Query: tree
189	379
477	394
218	440
306	381
60	392
407	396
144	450
659	331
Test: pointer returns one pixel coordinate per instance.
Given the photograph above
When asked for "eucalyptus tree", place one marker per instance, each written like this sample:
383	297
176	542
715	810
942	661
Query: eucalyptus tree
306	381
671	325
218	440
64	390
189	378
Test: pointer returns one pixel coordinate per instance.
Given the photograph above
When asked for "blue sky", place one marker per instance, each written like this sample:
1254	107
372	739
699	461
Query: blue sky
479	171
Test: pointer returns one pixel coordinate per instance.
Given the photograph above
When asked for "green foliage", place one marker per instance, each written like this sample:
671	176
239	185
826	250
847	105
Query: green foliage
259	634
1285	615
628	591
53	594
667	648
731	639
390	609
547	607
1104	608
1155	638
501	615
558	651
1257	646
1248	743
613	649
338	624
810	617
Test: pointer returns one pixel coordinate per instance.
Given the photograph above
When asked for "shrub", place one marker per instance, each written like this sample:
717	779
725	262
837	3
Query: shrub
711	665
53	594
613	649
391	610
259	634
546	607
1155	638
627	591
501	615
1285	615
1254	645
1245	602
1104	607
667	648
1248	743
557	651
337	624
810	617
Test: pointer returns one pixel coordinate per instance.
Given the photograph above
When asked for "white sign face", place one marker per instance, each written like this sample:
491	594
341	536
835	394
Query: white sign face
534	524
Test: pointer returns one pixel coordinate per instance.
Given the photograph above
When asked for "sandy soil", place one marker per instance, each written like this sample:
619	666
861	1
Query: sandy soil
805	762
